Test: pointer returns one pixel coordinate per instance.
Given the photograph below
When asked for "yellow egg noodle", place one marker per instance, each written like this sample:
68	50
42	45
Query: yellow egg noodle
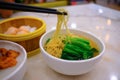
67	45
55	45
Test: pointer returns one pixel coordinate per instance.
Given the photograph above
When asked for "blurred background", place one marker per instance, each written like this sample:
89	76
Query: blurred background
114	4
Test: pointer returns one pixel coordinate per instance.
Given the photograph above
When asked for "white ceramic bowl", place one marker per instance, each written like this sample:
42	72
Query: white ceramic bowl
16	72
69	67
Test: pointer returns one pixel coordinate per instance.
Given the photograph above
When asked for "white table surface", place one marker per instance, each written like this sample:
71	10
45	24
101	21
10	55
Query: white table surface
103	22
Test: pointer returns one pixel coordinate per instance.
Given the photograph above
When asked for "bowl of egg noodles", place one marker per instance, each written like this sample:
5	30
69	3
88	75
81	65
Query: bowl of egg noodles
70	51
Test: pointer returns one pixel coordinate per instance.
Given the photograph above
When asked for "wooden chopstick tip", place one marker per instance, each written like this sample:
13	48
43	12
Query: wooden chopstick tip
65	13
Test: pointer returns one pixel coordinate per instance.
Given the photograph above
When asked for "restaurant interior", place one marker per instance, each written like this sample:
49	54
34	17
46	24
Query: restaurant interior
60	39
113	4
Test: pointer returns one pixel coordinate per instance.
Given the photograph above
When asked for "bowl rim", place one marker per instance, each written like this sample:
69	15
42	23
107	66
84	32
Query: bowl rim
72	61
24	36
22	63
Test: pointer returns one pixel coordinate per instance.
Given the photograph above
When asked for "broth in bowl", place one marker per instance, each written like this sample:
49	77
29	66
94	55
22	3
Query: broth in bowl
71	47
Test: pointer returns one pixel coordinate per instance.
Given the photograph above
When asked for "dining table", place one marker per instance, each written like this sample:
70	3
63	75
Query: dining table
102	21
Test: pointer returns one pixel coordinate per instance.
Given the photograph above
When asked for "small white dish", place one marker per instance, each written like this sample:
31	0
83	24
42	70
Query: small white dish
16	72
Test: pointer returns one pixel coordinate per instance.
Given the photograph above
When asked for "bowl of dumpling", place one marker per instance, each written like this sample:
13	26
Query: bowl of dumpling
24	30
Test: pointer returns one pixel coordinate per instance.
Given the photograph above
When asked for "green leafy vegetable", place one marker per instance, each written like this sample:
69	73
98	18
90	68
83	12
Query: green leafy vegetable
47	40
71	52
69	57
77	49
80	39
81	44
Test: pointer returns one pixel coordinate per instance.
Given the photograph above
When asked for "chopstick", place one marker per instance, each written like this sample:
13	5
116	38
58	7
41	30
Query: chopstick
23	7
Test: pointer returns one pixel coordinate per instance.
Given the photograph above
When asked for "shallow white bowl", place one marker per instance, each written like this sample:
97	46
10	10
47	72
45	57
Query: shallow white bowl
69	67
16	72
